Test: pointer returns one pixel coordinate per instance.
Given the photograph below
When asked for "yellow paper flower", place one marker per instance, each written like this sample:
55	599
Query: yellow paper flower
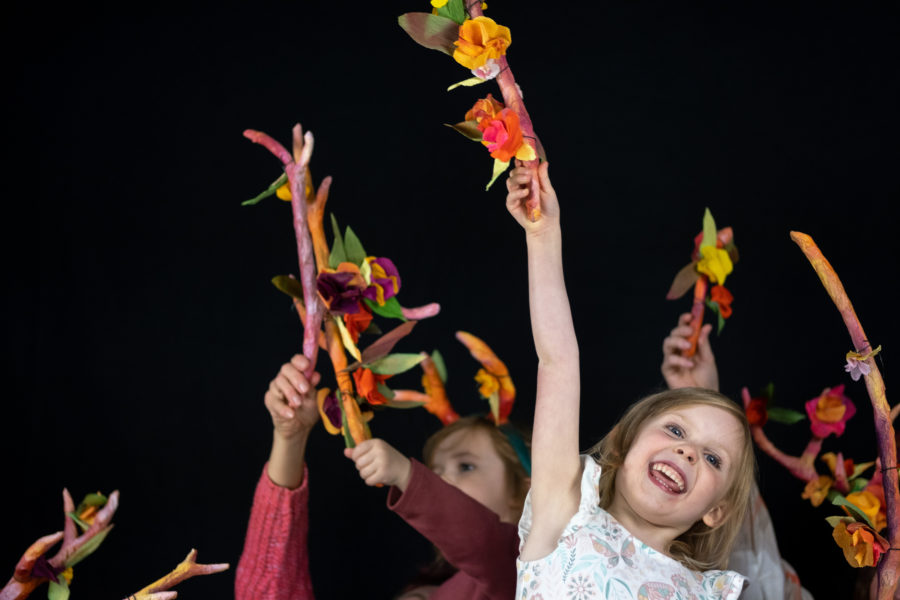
438	3
816	490
715	264
284	192
480	39
862	547
490	385
868	504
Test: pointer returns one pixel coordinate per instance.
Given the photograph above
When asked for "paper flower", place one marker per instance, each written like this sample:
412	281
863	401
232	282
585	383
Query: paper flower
340	290
862	546
856	368
489	70
330	411
489	384
869	505
723	298
502	135
438	3
485	108
367	385
384	281
876	488
829	412
756	412
715	263
357	322
830	459
817	489
480	39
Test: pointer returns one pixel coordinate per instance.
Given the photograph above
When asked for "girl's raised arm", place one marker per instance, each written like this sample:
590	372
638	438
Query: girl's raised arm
556	467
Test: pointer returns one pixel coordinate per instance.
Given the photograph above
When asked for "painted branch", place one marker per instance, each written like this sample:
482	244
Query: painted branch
301	312
101	522
802	467
316	223
438	404
840	475
889	566
295	167
697	309
185	570
421	312
512	97
22	583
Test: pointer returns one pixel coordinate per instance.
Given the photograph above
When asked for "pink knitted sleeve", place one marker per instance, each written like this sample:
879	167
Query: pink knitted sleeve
274	564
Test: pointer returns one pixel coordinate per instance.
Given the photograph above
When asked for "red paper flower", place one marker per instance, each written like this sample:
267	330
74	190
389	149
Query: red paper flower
367	385
357	322
829	412
502	134
721	296
756	412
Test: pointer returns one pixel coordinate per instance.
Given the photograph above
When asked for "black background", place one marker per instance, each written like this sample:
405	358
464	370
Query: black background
142	329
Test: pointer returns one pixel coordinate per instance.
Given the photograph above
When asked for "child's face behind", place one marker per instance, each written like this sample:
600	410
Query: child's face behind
679	469
467	459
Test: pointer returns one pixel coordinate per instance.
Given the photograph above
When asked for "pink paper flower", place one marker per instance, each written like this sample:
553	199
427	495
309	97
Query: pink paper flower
856	368
829	412
488	70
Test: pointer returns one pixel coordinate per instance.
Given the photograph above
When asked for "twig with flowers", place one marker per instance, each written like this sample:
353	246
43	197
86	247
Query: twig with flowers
339	290
460	29
712	261
854	536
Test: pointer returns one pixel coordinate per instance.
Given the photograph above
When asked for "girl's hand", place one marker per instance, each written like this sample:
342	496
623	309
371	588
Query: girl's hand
291	399
379	463
519	184
699	370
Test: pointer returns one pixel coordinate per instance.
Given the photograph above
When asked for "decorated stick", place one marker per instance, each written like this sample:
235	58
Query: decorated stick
74	548
889	566
185	570
296	168
701	287
512	97
496	384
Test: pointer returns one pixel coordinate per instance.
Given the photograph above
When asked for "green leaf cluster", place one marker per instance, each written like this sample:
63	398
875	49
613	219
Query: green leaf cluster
269	191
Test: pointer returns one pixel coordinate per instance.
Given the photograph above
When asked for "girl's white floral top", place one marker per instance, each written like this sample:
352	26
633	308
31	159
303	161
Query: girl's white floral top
596	557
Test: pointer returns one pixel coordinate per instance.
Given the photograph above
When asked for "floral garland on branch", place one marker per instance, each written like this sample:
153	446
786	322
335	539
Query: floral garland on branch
345	287
712	261
478	43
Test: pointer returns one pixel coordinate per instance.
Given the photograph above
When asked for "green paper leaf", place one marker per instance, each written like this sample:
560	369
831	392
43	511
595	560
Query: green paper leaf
269	191
404	404
345	429
709	230
338	253
471	81
683	282
440	365
392	364
391	308
96	499
499	167
784	415
857	514
714	307
84	526
833	521
860	468
365	270
432	31
769	391
494	402
89	547
385	391
58	591
288	285
468	129
859	484
453	10
355	252
373	329
732	251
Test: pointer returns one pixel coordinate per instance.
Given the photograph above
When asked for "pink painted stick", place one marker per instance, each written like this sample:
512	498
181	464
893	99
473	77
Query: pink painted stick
802	467
421	312
889	566
295	166
512	97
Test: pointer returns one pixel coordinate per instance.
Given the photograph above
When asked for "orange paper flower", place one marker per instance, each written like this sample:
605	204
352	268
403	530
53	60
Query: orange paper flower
756	412
480	39
830	412
721	296
489	384
502	134
862	547
367	385
816	489
486	108
357	322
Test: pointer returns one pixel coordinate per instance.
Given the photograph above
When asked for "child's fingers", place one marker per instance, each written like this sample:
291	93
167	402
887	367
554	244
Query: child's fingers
675	344
300	362
275	402
685	319
544	177
295	375
283	385
676	361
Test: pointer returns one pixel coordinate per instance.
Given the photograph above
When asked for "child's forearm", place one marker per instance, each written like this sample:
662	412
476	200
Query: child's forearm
286	460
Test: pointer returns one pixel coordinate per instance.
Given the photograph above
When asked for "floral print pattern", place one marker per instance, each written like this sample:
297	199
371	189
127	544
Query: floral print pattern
598	558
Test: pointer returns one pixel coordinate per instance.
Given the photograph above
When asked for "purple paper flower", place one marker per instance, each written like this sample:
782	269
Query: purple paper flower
385	280
856	368
339	292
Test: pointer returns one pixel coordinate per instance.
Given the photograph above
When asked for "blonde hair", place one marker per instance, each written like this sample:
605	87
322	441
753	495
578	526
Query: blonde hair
517	479
701	547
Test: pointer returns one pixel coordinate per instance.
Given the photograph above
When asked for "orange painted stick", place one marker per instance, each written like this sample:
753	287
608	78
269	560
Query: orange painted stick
185	570
889	566
699	306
